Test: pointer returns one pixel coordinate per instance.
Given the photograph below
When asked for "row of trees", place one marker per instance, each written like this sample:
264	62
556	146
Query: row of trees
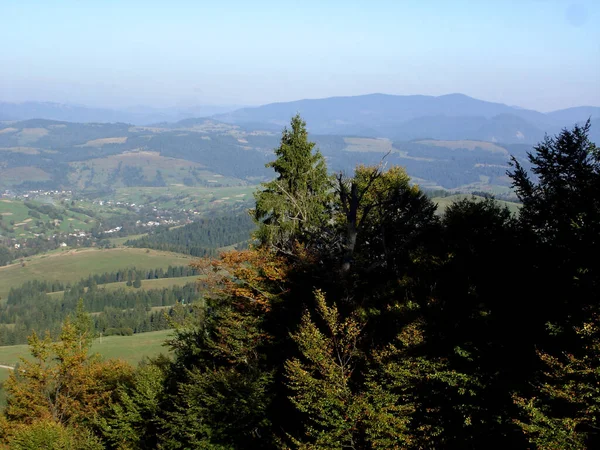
364	320
33	286
30	308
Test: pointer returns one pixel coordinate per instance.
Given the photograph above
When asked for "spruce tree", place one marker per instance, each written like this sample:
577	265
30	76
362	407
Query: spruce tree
293	204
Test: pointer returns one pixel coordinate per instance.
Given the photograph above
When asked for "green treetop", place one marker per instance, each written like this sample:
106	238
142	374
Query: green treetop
294	203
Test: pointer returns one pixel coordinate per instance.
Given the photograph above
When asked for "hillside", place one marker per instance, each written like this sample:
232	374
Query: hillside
72	265
43	154
232	149
197	156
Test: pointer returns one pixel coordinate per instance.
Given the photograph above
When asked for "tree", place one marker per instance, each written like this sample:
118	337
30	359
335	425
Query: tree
355	396
561	219
293	205
372	206
62	383
562	204
322	381
132	420
51	435
565	410
221	382
561	215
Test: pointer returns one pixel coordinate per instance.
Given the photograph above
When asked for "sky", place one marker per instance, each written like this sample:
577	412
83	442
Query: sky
538	54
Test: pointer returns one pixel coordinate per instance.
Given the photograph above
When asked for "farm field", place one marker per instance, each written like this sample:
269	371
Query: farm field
204	199
466	144
356	144
121	240
72	265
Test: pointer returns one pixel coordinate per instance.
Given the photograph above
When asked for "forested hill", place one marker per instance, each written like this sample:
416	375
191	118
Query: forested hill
101	158
201	238
450	142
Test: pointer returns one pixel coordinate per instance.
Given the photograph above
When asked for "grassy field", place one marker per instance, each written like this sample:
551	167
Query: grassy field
18	223
355	144
147	285
99	170
466	144
203	199
444	202
72	265
121	240
159	283
128	348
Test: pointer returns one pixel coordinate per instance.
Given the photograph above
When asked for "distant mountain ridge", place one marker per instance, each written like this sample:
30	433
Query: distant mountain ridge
396	117
139	115
452	116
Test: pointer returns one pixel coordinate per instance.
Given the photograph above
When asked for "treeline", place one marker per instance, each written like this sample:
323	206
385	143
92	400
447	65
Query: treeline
36	245
361	320
201	238
30	308
15	295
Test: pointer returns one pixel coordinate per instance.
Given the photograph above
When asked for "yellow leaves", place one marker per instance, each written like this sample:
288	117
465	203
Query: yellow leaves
412	334
63	383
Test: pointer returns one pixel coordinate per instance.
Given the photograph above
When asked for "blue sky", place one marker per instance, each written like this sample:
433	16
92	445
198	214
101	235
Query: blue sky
541	54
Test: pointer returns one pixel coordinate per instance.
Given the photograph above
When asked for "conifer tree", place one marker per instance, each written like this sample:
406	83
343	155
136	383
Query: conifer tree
293	205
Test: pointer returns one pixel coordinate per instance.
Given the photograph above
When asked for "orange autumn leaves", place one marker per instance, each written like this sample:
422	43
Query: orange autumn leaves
252	279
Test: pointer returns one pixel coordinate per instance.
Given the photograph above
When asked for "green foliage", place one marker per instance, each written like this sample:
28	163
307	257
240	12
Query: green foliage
132	419
294	203
566	409
49	435
322	385
221	383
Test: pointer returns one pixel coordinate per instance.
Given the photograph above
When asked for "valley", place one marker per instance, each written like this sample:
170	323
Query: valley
451	142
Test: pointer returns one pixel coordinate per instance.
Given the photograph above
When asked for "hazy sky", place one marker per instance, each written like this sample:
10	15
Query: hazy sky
542	54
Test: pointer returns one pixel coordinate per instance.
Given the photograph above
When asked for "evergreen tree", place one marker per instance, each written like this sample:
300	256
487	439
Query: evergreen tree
561	220
293	205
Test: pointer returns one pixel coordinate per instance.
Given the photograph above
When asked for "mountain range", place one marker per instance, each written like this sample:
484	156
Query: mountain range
453	116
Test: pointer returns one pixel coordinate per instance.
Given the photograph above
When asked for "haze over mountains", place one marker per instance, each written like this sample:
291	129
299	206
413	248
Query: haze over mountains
453	116
452	142
137	115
